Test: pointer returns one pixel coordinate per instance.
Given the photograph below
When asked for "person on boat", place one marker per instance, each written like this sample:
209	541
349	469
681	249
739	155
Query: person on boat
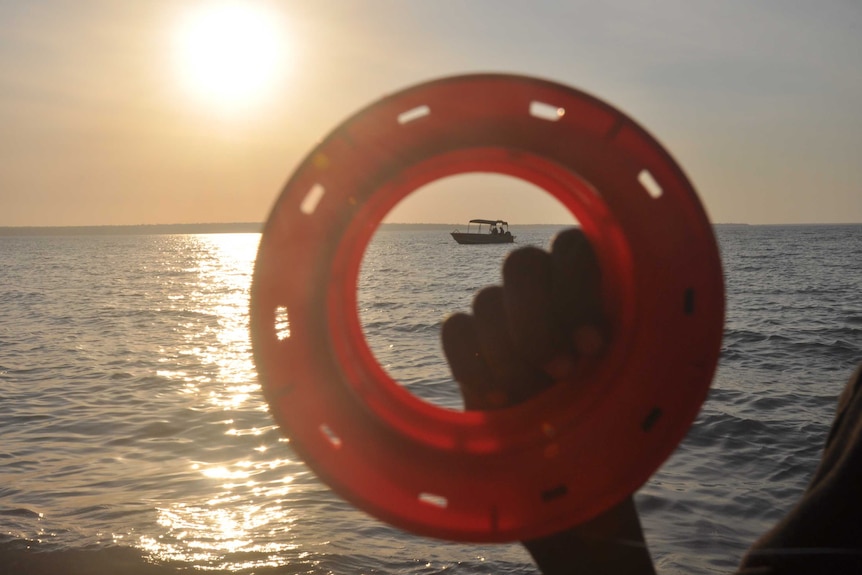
539	326
494	230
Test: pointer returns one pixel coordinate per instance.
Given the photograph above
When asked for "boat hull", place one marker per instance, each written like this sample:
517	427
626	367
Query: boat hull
468	238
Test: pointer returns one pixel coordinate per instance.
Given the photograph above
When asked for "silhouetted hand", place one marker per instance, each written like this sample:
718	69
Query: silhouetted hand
544	324
534	329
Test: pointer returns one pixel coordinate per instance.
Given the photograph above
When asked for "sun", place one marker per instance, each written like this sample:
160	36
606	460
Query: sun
230	55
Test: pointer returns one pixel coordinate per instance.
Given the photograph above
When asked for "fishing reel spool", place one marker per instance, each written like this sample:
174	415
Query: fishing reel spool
562	457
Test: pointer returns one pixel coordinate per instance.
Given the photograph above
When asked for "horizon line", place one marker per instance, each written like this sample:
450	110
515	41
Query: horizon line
252	227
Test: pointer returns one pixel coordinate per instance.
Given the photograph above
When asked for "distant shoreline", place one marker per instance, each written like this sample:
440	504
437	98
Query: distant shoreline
133	230
257	227
155	229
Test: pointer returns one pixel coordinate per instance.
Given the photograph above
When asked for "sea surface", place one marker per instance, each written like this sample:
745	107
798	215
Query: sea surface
134	437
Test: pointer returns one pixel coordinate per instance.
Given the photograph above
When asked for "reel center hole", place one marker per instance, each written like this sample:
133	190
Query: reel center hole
414	274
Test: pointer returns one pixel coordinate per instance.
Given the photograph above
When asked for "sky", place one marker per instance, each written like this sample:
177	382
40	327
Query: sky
181	111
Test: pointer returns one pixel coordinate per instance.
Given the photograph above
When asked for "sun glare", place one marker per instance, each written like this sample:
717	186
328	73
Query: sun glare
230	54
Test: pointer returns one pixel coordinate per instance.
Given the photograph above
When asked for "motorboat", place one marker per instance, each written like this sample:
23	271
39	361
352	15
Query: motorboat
485	232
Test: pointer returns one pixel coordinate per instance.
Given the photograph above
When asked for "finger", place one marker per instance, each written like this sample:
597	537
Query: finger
513	375
461	348
576	292
577	277
492	330
527	275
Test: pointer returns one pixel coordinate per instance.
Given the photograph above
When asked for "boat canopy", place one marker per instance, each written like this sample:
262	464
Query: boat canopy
489	222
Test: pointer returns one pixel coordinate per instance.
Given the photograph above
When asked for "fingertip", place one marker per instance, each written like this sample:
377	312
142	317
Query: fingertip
569	236
488	300
525	262
572	245
456	322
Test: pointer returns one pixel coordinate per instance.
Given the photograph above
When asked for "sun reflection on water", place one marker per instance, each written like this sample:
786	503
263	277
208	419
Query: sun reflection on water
244	523
225	269
239	513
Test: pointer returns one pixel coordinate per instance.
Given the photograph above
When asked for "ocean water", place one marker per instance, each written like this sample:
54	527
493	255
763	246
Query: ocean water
134	438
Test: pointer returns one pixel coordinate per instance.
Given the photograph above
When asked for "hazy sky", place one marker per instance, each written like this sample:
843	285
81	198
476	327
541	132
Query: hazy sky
171	112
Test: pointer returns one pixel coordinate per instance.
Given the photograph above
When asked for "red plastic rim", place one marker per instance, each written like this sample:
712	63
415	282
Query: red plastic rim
536	468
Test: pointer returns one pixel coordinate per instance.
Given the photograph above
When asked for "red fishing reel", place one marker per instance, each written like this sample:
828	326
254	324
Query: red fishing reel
562	457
